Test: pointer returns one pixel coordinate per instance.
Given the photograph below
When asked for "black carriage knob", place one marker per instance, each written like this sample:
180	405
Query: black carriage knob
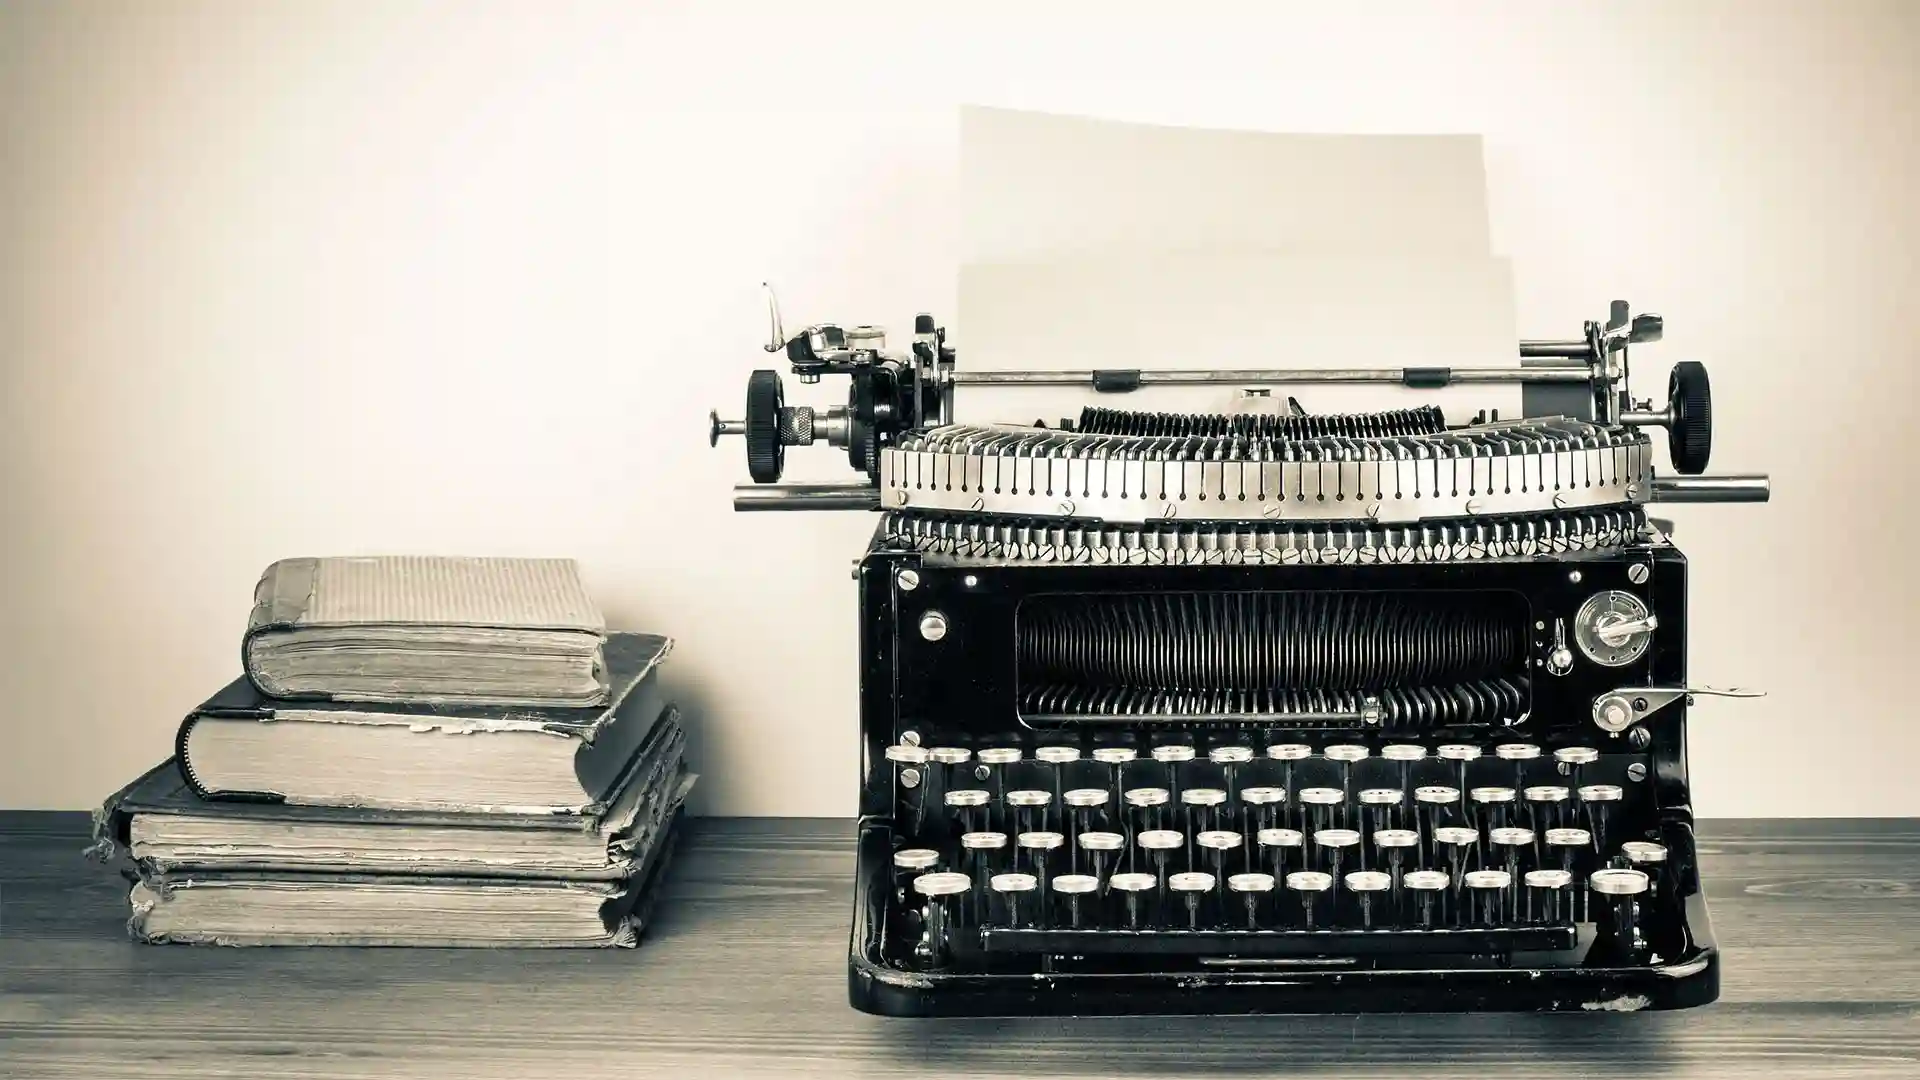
766	452
1690	411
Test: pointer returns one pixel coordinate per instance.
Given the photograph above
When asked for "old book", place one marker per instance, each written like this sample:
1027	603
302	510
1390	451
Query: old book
165	829
426	628
438	912
242	744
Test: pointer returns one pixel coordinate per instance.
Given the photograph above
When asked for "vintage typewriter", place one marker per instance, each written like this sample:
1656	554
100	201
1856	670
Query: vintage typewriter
1265	711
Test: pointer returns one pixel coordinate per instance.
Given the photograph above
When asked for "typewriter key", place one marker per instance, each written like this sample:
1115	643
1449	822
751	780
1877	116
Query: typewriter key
1519	753
1346	754
970	804
1013	890
1455	843
1322	805
1380	803
916	858
1545	889
1569	849
1507	846
1393	846
1160	844
1433	806
1547	806
994	762
909	770
1648	858
1405	754
1201	807
1573	760
1083	804
1192	887
1621	890
1488	889
1030	808
907	755
1309	885
1073	887
1460	754
1146	803
1599	800
1218	843
1253	889
939	890
1099	848
950	755
1276	845
1494	805
1287	754
1334	843
1257	806
980	848
1426	887
1038	845
1057	758
1366	884
1134	887
1116	759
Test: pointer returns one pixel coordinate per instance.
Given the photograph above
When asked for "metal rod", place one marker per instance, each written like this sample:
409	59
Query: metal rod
805	497
1568	350
1754	487
1274	376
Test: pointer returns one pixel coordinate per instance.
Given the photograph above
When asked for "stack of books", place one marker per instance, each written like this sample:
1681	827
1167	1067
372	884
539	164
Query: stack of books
422	751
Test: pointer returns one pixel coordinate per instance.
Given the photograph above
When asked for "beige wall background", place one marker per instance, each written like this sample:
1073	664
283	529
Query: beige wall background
315	278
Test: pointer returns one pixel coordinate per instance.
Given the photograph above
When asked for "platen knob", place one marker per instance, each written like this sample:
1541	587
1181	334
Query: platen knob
1690	412
1614	628
766	453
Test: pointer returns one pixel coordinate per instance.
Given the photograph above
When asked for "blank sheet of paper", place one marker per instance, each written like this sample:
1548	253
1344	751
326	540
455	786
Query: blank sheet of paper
1040	186
1093	243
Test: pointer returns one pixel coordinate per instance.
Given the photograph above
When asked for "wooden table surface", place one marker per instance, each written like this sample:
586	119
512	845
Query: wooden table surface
743	973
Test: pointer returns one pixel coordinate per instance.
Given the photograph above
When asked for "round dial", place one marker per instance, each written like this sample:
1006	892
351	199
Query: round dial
1613	628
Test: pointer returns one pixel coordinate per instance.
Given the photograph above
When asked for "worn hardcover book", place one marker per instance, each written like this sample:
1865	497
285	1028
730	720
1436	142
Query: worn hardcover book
426	628
201	908
241	744
166	829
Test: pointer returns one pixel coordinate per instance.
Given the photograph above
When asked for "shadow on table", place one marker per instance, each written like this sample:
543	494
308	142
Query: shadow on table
1123	1046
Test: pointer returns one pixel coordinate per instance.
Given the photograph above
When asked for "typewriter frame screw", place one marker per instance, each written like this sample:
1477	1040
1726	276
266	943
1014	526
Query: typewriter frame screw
933	626
1574	576
1637	772
908	579
1638	573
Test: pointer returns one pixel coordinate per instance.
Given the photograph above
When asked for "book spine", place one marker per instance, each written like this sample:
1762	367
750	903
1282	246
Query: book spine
182	740
281	598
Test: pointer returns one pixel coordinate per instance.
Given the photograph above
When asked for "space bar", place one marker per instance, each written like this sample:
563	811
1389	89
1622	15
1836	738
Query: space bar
1344	942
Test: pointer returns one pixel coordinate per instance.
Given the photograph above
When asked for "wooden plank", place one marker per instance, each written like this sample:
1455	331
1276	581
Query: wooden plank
744	973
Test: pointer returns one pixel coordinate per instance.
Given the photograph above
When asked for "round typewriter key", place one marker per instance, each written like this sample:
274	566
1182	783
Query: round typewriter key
1346	754
1057	755
1253	888
939	890
1547	805
1494	805
1519	753
999	755
1380	805
1134	887
1029	808
1433	805
1073	887
1191	887
1288	754
1599	800
1099	848
994	762
1573	760
1201	806
1622	890
1038	846
907	755
1334	843
1114	755
1405	754
1427	887
970	804
916	858
1461	755
1309	884
1258	806
1569	849
1173	753
1160	844
1322	804
1393	845
1365	884
1275	844
1507	844
1545	888
1147	806
1648	858
1229	755
1455	842
1488	887
950	755
1217	843
1081	797
1012	890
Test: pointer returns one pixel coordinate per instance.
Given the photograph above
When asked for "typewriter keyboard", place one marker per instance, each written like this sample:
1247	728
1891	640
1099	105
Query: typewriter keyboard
1287	850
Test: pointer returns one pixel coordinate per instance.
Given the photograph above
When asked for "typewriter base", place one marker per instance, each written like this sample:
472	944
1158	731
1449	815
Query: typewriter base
1563	982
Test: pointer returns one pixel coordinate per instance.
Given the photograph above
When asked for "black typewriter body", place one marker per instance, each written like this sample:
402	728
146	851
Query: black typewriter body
1266	712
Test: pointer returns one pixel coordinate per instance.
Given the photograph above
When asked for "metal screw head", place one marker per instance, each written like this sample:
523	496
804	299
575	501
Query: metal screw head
909	778
1574	576
970	581
933	626
908	579
1638	573
1639	737
909	738
1636	772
